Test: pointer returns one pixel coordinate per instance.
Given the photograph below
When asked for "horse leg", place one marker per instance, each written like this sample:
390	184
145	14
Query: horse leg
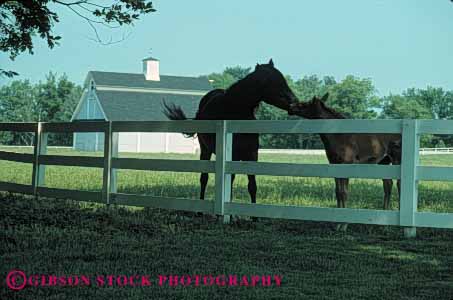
341	191
398	184
344	191
231	193
205	154
204	177
345	197
388	184
253	156
252	187
338	197
252	191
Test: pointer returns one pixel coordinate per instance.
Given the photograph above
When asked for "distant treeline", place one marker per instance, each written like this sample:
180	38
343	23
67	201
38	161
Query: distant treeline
356	98
55	99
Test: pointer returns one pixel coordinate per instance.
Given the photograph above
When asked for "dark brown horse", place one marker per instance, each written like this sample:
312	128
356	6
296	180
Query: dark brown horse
239	102
353	148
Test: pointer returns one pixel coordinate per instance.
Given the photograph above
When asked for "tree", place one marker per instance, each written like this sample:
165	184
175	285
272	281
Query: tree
20	21
221	80
354	97
237	72
308	87
53	100
437	100
429	103
404	107
17	104
305	89
229	76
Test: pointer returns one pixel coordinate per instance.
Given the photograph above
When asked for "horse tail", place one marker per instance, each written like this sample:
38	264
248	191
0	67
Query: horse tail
175	112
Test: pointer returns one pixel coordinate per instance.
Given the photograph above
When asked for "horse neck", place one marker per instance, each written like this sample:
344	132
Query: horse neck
331	141
243	95
330	114
218	104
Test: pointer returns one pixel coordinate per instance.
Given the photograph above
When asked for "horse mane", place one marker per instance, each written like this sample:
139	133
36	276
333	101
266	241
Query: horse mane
237	83
265	67
335	114
225	94
332	112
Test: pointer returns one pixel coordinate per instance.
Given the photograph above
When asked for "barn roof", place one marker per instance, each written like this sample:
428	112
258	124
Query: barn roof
130	97
133	80
150	58
139	106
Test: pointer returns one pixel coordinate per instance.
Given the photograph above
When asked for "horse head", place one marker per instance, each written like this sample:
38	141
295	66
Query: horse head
273	87
314	109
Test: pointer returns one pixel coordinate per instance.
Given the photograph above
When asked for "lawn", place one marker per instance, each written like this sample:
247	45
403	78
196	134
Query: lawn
62	237
364	193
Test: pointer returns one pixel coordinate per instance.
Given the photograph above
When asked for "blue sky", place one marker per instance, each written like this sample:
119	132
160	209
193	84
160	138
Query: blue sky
398	44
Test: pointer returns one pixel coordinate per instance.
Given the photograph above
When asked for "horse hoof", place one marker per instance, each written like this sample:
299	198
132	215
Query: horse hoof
342	227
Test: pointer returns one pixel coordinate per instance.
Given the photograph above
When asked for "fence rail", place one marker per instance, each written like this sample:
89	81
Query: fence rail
409	172
423	151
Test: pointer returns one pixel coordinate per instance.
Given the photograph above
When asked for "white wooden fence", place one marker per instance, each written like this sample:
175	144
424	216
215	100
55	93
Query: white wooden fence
409	172
427	151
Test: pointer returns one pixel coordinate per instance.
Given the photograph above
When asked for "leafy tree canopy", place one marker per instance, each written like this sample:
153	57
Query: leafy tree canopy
354	97
229	76
53	100
21	21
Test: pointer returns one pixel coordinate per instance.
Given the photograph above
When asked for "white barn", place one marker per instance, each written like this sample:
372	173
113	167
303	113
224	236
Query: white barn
114	96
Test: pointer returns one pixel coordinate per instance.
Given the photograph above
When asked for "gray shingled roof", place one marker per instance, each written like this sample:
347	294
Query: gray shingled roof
136	106
150	58
139	81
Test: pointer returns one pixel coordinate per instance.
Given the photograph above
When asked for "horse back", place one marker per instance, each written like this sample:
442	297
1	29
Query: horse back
206	100
212	107
358	148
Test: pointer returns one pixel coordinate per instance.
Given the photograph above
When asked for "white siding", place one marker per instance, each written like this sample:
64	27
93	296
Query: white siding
152	142
156	142
127	142
177	143
95	108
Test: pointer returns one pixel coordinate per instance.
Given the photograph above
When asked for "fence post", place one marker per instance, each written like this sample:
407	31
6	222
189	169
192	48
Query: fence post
113	172
40	148
106	178
409	183
222	180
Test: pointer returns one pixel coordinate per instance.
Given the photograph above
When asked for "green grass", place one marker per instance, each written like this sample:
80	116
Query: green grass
316	262
433	196
65	237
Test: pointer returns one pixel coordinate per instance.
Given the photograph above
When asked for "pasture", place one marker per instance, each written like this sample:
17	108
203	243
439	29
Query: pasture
281	190
316	262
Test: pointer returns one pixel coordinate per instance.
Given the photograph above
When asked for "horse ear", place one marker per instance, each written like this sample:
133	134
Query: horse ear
271	63
257	66
324	98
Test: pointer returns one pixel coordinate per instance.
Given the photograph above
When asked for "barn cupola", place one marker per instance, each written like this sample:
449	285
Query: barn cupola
151	69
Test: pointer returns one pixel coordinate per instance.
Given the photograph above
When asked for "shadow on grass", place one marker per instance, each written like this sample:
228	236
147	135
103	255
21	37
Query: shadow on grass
316	262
